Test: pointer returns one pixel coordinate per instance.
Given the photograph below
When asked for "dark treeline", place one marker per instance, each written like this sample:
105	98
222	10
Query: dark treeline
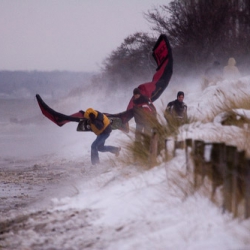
53	83
200	32
203	30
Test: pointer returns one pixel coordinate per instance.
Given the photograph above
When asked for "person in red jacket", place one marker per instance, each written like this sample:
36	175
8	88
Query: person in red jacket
144	114
100	125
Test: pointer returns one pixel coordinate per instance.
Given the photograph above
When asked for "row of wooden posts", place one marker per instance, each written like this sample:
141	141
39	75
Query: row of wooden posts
224	165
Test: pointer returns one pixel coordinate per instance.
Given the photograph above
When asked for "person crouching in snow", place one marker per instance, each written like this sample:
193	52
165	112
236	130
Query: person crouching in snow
101	126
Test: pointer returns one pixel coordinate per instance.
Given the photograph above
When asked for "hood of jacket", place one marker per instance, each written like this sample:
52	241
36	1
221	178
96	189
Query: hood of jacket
89	111
231	62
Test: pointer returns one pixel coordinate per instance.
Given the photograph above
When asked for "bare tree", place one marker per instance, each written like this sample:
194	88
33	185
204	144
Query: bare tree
198	29
199	32
131	60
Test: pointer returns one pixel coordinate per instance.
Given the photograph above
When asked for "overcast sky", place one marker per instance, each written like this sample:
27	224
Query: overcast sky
66	34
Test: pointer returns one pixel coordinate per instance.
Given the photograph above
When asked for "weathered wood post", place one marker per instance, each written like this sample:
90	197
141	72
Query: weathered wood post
231	157
237	182
188	143
247	189
153	148
178	145
198	162
206	170
217	167
169	149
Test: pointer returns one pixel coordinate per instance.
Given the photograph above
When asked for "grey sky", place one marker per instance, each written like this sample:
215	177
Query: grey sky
66	34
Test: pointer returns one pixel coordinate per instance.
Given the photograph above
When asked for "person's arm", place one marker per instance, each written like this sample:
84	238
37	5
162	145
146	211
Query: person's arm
97	121
167	112
170	107
185	113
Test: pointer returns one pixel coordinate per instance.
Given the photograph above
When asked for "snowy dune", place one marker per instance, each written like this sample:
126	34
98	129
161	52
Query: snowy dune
65	203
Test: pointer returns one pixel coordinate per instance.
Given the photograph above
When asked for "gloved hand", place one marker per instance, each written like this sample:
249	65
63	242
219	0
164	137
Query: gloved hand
92	117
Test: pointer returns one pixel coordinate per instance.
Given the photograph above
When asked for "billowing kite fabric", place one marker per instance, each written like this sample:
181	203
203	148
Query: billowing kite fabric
162	54
56	117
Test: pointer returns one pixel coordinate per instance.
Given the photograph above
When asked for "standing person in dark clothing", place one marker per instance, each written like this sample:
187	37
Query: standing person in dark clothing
100	125
176	110
144	114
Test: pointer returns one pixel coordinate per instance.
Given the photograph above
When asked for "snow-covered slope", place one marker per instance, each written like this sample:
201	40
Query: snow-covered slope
73	205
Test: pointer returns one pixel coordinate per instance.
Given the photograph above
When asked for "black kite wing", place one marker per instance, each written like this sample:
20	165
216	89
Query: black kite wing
124	117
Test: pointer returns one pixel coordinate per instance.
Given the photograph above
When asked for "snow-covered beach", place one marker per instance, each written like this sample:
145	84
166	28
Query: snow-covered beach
52	198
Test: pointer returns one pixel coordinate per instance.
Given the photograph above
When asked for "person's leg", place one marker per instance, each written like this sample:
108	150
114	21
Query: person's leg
138	132
94	150
103	148
147	129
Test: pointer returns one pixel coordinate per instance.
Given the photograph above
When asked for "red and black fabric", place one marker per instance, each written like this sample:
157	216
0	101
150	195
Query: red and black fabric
56	117
162	54
61	119
143	108
125	117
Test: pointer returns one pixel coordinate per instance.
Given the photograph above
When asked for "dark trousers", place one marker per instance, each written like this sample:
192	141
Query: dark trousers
140	130
98	145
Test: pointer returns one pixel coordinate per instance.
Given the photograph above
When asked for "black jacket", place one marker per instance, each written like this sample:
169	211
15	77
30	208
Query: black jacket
177	109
